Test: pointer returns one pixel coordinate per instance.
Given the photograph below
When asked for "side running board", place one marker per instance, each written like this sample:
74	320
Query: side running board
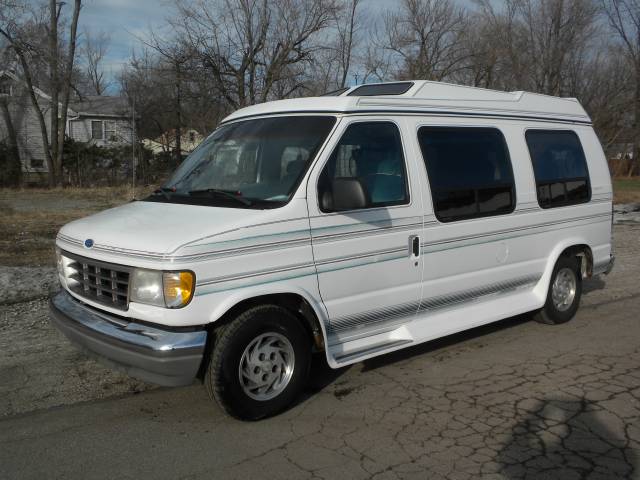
370	349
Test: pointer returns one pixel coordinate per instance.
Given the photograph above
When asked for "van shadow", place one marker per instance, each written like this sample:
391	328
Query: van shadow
321	375
593	284
441	343
567	438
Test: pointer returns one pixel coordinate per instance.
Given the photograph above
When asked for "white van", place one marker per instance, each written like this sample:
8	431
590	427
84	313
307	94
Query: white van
356	224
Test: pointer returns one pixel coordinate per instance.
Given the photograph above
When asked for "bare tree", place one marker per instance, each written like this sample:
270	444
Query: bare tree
94	49
334	56
175	56
539	39
624	18
253	49
425	35
347	26
60	68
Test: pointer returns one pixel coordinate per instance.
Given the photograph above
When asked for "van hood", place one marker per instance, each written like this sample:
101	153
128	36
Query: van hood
156	229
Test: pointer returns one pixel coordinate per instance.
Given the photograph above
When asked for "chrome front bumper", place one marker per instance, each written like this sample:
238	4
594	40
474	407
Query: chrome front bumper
152	354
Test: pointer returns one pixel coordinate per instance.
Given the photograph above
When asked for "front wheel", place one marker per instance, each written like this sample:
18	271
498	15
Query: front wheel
565	290
259	362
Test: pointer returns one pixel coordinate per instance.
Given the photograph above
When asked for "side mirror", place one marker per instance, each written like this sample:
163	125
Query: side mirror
348	194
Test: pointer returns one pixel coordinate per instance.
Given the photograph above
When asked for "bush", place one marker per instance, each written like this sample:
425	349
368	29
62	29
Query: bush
91	165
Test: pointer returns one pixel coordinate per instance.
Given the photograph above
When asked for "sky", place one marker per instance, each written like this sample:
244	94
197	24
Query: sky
126	21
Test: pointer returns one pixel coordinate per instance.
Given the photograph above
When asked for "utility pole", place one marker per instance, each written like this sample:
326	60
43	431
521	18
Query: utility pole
133	147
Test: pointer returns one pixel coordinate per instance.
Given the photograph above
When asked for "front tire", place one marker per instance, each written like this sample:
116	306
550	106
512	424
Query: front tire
259	362
563	296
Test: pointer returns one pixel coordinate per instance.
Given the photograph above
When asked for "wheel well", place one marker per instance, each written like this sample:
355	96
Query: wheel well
583	252
293	302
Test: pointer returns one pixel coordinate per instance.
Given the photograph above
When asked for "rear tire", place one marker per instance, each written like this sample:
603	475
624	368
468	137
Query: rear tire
259	363
563	296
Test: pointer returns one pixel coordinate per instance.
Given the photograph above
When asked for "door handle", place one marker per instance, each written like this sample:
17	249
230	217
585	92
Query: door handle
414	245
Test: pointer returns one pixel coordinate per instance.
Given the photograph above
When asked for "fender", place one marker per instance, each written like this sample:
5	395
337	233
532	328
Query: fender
543	285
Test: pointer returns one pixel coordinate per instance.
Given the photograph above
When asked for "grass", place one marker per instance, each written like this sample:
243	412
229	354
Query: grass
626	190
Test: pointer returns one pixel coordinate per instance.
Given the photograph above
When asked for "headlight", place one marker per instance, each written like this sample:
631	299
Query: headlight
146	287
164	289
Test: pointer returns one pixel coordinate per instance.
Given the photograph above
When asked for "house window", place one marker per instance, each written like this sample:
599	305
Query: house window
5	87
96	130
469	172
36	162
110	131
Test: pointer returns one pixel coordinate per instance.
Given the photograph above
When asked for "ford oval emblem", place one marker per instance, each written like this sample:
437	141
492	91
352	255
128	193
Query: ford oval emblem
88	243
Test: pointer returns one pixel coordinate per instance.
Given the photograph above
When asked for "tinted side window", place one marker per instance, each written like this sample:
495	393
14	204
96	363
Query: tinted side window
469	172
371	153
559	167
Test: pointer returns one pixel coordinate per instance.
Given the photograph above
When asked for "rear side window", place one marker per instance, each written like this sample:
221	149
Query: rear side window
469	172
559	166
370	152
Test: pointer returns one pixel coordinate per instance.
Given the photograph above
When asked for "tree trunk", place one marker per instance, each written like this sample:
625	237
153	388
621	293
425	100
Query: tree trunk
14	168
66	91
633	164
54	86
178	128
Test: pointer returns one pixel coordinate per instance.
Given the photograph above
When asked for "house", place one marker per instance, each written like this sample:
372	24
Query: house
95	120
620	158
190	138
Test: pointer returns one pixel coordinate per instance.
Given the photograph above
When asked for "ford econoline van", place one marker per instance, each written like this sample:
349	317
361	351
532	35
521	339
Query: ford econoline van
354	224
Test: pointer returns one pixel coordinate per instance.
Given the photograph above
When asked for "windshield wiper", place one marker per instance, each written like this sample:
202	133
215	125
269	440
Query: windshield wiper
222	193
164	191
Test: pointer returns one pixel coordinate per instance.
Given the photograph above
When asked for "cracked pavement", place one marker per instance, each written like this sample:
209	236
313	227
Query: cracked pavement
512	400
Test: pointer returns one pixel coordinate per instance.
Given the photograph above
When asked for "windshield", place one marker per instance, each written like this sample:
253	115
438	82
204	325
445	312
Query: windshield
250	164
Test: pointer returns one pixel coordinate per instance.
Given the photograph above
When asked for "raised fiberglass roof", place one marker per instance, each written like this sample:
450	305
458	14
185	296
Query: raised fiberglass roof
422	96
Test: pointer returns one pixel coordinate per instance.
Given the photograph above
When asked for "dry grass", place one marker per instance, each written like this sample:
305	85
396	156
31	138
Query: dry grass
626	190
30	219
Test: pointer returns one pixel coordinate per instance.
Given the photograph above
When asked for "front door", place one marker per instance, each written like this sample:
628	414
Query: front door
367	255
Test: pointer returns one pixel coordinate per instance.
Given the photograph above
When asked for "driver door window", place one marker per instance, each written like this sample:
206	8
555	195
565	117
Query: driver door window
369	153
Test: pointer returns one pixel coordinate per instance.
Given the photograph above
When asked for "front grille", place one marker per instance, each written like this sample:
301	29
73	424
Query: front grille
105	283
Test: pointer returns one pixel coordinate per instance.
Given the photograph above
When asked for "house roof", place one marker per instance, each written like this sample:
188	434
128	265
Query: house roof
90	105
101	106
431	98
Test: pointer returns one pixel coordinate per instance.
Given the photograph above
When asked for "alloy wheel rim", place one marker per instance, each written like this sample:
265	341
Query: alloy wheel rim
564	287
266	366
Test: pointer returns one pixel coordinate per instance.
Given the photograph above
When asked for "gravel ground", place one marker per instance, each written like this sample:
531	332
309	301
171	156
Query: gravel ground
23	284
626	213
